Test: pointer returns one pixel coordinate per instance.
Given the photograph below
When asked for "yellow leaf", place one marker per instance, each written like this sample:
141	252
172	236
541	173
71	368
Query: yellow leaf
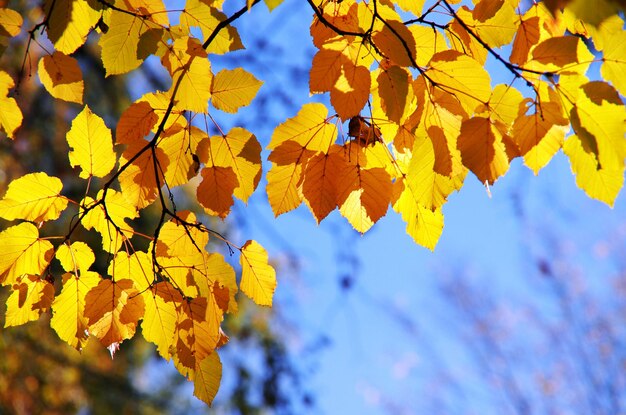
190	69
114	231
428	188
176	240
11	115
23	253
31	297
462	77
540	135
160	317
135	123
70	21
239	150
75	257
62	77
395	41
68	318
10	22
139	181
392	93
310	128
198	332
363	195
495	22
482	149
136	267
422	224
113	310
213	277
602	115
200	13
178	145
128	42
258	278
599	182
284	178
207	378
91	145
35	197
614	61
232	89
562	53
215	192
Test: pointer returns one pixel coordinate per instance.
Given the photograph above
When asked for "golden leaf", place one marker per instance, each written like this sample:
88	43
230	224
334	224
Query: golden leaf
233	89
75	257
35	197
160	316
69	22
258	278
31	297
11	115
113	310
68	318
208	374
62	77
91	145
23	253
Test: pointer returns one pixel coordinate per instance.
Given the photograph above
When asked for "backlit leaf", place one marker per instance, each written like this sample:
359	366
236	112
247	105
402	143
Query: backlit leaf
113	310
310	128
207	378
232	89
35	197
200	13
62	77
11	115
77	256
215	192
31	297
68	318
23	253
159	321
70	21
482	149
258	278
135	123
91	145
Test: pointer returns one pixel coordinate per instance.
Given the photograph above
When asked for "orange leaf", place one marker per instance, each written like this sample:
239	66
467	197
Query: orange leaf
215	192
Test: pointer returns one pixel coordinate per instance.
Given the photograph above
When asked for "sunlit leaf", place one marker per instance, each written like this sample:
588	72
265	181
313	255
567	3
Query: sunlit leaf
35	197
11	115
113	310
91	145
258	278
31	297
207	378
62	77
70	21
74	257
68	318
232	89
23	253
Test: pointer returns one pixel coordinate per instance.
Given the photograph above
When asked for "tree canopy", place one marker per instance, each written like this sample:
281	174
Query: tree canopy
412	110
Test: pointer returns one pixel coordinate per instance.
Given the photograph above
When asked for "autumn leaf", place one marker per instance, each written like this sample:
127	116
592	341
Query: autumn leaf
31	297
113	310
207	378
68	319
23	253
233	89
258	278
11	115
215	192
35	197
69	22
62	77
74	257
91	145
